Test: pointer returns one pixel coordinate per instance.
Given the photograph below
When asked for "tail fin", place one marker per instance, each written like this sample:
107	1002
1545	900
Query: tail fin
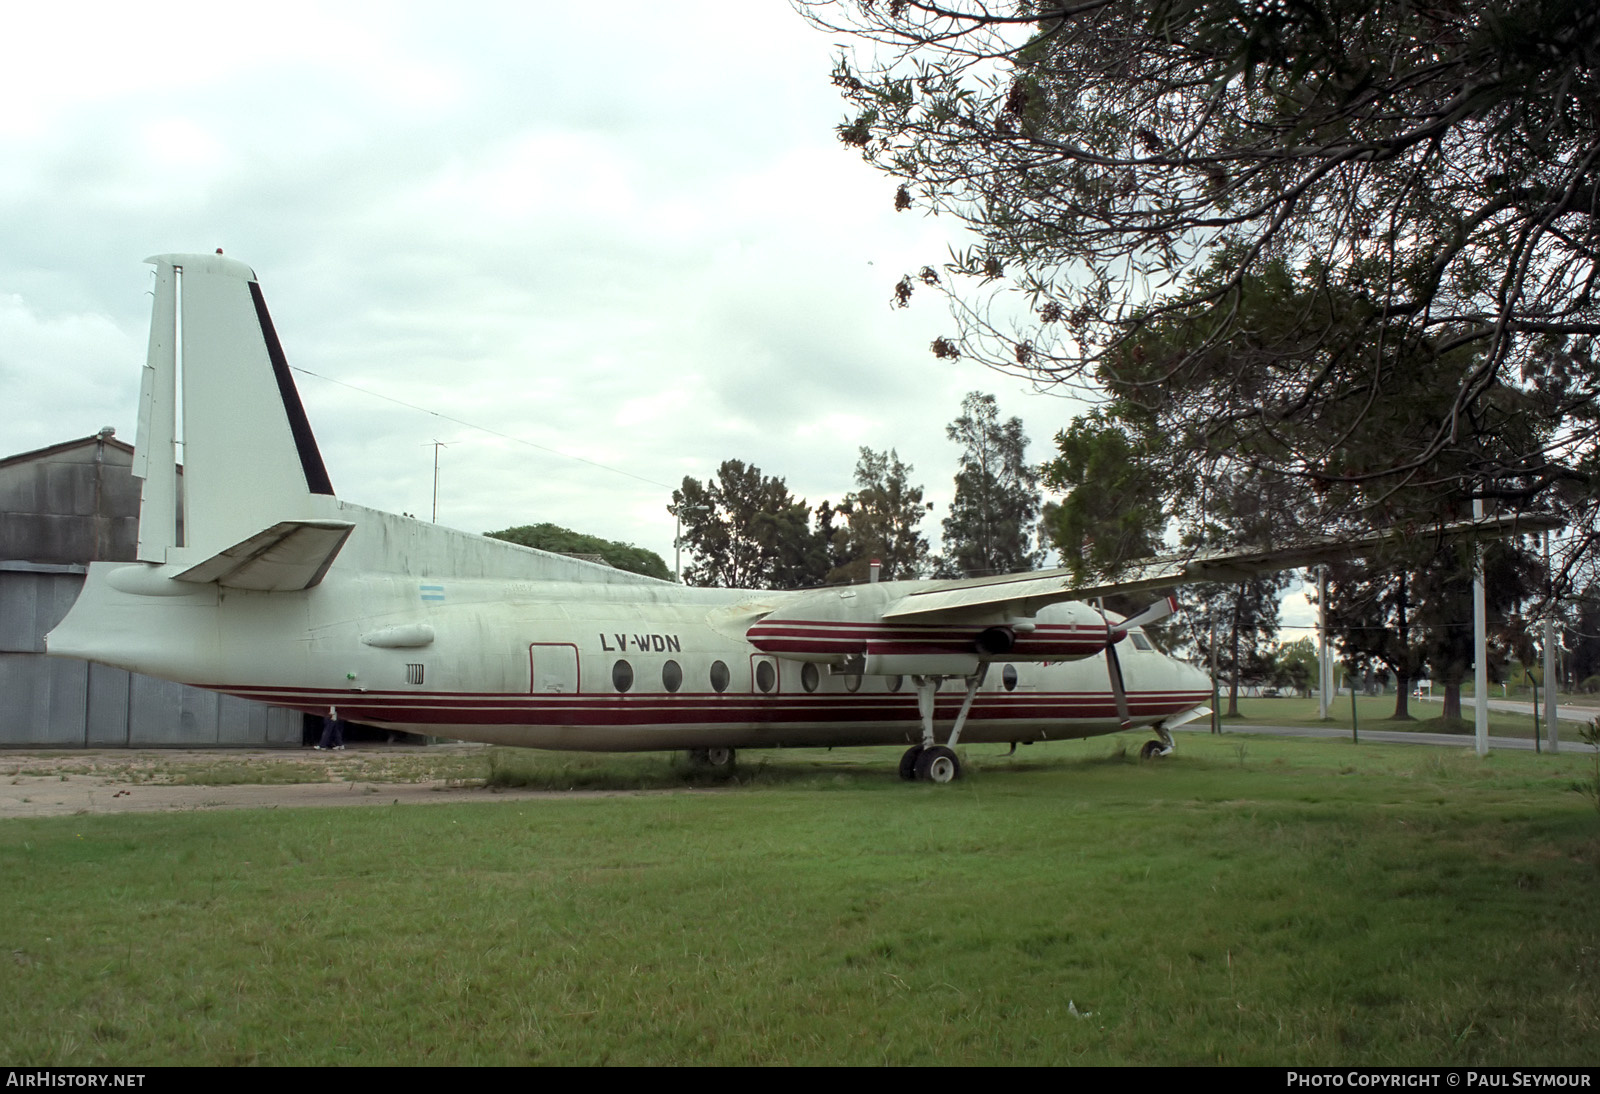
217	389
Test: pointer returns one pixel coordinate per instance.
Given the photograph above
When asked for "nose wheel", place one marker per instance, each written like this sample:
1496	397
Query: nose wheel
1154	750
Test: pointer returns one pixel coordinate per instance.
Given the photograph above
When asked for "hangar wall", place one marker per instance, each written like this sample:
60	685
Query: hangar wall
60	508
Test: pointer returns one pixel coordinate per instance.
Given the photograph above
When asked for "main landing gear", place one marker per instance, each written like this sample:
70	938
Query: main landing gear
930	764
934	763
717	760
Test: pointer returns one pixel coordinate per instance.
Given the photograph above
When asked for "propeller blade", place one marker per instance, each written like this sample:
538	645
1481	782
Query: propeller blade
1118	692
1153	614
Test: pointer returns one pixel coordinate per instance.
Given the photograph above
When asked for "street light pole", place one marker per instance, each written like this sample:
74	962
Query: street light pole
677	536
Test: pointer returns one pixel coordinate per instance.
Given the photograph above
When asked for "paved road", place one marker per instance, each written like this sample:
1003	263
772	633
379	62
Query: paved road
1579	715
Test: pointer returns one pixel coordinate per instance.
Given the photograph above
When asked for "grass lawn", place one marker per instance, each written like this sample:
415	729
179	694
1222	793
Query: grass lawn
1246	901
1377	712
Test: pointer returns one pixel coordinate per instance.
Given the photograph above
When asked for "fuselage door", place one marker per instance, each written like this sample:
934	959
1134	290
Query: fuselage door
552	668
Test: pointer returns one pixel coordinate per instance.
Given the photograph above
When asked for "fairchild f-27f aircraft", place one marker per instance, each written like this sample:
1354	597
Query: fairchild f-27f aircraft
254	579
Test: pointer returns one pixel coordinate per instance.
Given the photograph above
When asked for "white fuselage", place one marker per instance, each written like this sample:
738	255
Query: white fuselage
571	657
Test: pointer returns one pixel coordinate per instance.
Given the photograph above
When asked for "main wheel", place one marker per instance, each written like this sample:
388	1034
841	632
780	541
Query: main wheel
1152	750
908	763
938	765
712	759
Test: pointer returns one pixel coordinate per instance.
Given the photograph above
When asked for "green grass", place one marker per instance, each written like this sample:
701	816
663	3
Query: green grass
1376	712
1247	901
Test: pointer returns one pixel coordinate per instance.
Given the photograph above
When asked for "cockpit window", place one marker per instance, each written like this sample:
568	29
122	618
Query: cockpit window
1140	642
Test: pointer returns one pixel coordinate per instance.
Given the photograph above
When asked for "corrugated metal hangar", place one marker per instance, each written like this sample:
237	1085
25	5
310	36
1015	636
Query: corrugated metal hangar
61	508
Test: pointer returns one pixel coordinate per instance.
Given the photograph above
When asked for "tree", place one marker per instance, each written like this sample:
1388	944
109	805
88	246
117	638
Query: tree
1295	665
990	526
1580	637
746	531
1511	574
1116	492
881	519
1373	617
564	541
1422	179
1245	615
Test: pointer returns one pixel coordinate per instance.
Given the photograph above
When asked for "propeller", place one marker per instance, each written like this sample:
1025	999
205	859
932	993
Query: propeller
1154	613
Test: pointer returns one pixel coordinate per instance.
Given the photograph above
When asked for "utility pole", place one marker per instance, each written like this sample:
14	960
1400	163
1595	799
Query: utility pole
1552	737
1480	645
1324	669
437	444
677	536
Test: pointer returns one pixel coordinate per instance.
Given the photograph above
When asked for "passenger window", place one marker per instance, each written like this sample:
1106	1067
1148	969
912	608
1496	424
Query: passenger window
810	676
766	676
1009	677
719	676
672	676
622	676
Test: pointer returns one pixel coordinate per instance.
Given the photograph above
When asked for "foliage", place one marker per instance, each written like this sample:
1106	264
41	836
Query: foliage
1511	574
746	531
1115	494
1245	615
1373	618
1294	665
881	516
1581	636
564	541
996	505
1276	225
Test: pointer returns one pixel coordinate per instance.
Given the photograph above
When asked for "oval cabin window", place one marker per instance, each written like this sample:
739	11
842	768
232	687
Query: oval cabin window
1009	677
719	676
672	676
766	676
622	676
810	676
893	683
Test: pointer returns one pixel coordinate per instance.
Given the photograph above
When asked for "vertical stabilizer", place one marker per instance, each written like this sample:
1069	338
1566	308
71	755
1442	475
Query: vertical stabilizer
218	389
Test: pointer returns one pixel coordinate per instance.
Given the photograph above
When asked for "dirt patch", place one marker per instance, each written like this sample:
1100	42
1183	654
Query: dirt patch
178	780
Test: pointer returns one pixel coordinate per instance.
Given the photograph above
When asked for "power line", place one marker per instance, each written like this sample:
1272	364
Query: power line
481	428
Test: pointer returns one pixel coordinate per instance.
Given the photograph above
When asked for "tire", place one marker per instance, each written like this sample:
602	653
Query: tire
1152	750
712	759
938	765
908	763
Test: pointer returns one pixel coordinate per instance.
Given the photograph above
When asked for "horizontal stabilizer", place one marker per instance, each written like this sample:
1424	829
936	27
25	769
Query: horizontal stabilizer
291	555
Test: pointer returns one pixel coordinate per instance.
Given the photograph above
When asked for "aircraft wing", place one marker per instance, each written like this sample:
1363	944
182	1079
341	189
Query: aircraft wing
1027	593
291	555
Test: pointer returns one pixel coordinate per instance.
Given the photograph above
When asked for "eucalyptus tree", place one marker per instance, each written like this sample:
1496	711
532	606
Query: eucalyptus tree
882	517
990	529
746	530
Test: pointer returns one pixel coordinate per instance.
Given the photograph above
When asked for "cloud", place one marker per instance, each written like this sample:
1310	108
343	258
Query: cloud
625	242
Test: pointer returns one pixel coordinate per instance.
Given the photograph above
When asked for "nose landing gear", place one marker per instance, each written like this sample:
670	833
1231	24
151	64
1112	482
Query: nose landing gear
1155	749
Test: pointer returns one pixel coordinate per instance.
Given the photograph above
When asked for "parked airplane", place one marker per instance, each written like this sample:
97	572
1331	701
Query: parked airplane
253	579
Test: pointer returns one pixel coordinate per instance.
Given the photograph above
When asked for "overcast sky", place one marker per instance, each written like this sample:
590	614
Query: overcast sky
622	234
